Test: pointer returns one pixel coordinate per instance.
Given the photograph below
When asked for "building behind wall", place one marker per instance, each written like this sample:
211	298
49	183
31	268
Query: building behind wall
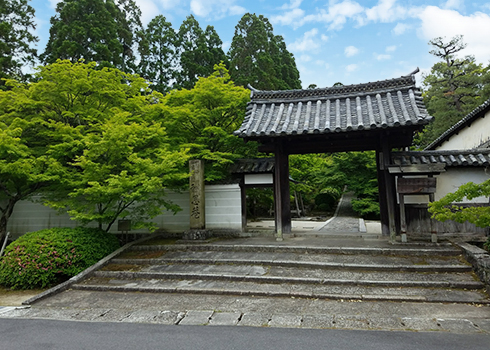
464	152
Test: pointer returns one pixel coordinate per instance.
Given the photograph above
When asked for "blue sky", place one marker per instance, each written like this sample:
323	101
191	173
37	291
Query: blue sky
333	41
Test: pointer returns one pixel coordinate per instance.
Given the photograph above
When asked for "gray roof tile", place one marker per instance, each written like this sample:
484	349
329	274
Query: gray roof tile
378	105
467	120
253	166
475	157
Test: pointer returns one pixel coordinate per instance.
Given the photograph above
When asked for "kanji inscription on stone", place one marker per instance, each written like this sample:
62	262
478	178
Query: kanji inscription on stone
196	192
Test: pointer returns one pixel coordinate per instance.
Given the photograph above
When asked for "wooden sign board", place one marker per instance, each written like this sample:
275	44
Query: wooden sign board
426	185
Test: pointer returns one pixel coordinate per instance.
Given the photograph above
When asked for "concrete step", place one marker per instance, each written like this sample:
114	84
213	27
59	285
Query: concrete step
387	265
259	274
436	273
245	287
439	250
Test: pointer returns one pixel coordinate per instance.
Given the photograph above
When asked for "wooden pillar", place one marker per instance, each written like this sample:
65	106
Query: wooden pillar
385	230
390	190
281	190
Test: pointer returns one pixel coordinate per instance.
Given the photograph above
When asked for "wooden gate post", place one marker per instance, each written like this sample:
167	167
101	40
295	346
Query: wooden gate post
281	190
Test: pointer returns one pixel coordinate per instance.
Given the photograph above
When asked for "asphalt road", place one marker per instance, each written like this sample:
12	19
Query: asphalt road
27	334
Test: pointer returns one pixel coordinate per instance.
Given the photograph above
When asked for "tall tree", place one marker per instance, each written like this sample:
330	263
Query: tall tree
94	30
16	38
88	136
198	52
204	118
158	61
454	87
260	58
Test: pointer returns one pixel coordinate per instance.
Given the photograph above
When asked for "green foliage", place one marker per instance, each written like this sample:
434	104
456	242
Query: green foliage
122	173
158	54
103	31
360	174
454	87
317	180
204	118
16	39
100	154
198	52
260	202
327	199
43	258
486	245
323	178
260	58
447	208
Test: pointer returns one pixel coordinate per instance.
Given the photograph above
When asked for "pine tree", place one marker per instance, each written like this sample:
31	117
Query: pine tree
454	87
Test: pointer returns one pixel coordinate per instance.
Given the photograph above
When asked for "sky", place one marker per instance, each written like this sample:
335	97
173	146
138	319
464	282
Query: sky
344	41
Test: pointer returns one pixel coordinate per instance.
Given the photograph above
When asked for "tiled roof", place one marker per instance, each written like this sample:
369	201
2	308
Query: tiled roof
253	166
378	105
475	157
468	119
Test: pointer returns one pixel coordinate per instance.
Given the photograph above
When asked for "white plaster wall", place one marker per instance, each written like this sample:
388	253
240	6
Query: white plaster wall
451	180
258	179
469	137
223	210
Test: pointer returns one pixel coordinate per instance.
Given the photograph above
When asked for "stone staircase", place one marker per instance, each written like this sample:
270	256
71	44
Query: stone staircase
400	273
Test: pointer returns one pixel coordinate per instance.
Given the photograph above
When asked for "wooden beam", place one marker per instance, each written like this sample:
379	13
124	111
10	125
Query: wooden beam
361	140
419	169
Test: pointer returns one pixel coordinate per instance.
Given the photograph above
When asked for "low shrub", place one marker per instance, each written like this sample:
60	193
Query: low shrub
44	258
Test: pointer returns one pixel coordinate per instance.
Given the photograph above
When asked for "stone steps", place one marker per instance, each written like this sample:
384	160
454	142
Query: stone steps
399	273
344	290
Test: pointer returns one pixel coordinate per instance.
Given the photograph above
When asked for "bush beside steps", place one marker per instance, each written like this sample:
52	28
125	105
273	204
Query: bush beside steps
45	258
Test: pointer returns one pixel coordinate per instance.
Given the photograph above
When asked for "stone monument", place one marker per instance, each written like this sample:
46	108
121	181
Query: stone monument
197	202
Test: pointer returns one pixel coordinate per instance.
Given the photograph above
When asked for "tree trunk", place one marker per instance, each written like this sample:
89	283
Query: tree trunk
6	213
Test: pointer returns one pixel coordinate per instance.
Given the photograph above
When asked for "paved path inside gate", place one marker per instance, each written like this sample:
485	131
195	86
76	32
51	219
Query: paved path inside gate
344	223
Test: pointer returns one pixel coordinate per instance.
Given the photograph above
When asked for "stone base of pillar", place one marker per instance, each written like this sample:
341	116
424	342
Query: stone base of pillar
196	235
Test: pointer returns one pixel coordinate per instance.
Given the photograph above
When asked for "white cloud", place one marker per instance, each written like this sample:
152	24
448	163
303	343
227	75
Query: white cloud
53	3
292	5
324	37
454	4
148	10
305	58
167	4
289	17
226	45
308	42
391	48
449	23
401	28
386	11
351	68
351	51
215	8
337	14
382	57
